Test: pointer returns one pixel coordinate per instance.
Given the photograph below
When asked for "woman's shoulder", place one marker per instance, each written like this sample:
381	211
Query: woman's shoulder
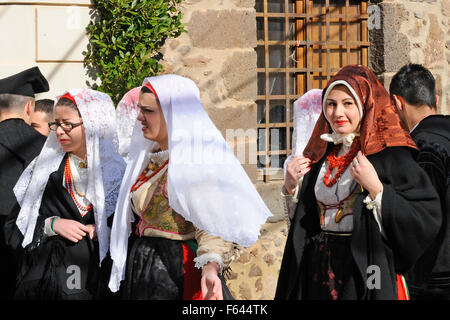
395	153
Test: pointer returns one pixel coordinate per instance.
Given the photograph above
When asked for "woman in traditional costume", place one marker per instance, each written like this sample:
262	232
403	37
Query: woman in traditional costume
365	210
193	202
66	196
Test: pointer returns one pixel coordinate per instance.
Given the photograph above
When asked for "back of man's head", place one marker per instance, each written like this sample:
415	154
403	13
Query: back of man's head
13	103
415	84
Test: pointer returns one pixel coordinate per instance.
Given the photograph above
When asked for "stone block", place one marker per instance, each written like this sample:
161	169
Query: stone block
237	124
255	271
195	61
223	29
396	44
270	192
239	75
244	3
445	8
434	50
245	292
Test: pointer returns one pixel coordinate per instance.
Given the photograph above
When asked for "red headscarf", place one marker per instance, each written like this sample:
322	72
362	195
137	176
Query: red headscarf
68	96
380	125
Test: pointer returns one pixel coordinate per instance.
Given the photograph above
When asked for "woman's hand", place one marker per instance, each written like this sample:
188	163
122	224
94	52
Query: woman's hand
210	283
365	174
72	230
296	169
91	231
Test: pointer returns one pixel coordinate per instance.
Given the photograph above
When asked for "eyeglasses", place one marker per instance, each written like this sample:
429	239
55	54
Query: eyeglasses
66	126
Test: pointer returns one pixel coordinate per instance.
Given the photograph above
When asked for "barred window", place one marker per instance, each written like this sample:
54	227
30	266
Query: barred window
300	45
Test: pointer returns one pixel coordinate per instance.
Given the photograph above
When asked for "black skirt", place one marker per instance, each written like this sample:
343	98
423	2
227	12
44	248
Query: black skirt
154	269
328	268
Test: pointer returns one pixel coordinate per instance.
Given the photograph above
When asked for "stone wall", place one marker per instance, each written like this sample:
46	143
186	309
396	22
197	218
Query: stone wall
416	31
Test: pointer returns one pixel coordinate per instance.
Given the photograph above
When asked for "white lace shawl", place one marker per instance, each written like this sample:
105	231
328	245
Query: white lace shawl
126	114
105	167
307	109
206	183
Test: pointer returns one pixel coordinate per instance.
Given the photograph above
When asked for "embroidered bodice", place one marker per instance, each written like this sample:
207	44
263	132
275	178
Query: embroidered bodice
150	202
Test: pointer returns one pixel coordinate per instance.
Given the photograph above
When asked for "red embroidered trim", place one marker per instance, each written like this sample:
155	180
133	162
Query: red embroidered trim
341	163
143	178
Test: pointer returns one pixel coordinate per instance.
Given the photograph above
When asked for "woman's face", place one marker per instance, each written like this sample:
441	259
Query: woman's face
342	111
152	119
73	141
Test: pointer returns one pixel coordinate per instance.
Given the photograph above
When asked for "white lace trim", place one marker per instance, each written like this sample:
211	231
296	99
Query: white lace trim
159	157
203	259
336	138
375	206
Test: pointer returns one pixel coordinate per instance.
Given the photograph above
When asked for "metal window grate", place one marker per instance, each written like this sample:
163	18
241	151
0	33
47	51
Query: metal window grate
300	45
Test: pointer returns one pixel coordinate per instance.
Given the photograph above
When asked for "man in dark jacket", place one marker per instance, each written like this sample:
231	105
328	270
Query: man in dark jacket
19	145
413	91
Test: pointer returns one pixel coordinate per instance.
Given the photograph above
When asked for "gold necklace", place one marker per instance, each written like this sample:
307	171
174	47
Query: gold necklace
75	186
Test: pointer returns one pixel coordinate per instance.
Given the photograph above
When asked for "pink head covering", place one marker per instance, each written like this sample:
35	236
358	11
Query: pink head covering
126	114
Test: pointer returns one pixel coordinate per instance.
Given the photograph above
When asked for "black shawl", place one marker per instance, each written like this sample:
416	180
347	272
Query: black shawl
19	145
410	217
52	264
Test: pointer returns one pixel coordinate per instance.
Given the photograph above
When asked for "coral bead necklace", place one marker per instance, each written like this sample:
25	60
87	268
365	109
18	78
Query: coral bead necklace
144	178
341	163
70	184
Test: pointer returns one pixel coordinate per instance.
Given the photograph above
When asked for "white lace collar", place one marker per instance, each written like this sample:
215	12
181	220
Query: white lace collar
77	161
159	157
336	138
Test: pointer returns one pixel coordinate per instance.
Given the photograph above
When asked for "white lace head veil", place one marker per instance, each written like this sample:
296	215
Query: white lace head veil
206	183
126	114
105	167
307	109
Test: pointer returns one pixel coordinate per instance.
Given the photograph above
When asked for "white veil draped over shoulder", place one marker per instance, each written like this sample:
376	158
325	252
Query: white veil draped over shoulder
126	114
307	109
105	167
206	183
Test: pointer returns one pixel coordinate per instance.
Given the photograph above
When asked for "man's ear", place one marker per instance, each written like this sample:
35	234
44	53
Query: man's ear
28	108
437	101
398	102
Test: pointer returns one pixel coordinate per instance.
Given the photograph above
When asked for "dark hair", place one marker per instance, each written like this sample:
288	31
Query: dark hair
44	105
144	89
65	102
415	84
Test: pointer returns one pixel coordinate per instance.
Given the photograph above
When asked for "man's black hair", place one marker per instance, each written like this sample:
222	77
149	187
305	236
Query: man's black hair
44	105
415	84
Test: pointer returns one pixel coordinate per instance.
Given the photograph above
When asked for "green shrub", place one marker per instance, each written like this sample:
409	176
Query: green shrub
125	37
